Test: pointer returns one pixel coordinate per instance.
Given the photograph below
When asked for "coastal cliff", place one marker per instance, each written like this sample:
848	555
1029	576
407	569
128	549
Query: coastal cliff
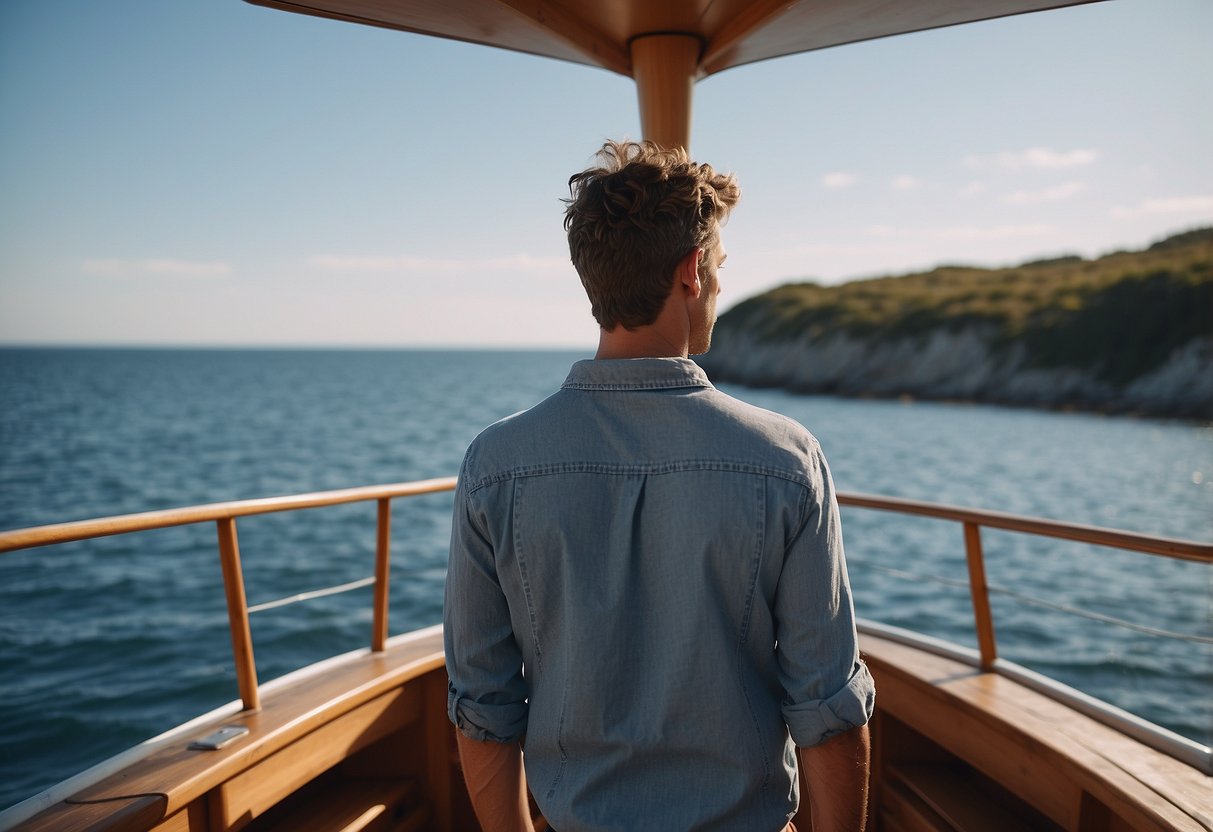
1127	332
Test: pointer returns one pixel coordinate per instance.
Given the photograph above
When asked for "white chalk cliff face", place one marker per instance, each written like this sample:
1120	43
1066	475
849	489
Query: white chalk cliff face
957	364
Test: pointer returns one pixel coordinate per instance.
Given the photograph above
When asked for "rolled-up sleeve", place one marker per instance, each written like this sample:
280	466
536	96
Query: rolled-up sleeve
812	721
487	694
828	689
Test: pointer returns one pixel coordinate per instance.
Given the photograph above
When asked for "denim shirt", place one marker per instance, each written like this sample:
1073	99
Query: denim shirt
647	582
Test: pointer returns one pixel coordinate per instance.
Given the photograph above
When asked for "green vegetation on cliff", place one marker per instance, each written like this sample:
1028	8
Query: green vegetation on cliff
1120	315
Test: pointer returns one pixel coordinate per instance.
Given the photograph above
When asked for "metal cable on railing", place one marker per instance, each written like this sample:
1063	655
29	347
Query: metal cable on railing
224	515
315	593
1105	619
321	593
901	573
1038	602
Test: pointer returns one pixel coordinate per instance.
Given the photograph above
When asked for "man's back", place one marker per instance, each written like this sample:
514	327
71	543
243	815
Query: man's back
640	542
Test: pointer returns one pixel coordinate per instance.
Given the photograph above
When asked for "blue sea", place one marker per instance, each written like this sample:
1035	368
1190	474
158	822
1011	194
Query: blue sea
106	643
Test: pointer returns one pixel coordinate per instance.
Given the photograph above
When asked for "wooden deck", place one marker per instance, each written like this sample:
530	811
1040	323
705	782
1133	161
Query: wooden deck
362	742
366	743
367	746
955	748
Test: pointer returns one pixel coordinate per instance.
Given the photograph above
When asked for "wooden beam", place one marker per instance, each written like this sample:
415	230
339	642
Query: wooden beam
752	17
557	19
383	558
237	615
665	67
439	748
272	779
981	596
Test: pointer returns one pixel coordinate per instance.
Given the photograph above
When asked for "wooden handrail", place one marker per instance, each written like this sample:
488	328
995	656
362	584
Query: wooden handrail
974	519
125	523
225	514
1117	539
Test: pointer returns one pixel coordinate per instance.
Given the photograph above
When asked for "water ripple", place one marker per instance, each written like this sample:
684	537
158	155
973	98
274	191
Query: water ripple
108	642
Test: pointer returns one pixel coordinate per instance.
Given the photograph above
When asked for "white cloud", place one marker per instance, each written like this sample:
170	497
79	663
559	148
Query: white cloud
1167	205
836	180
1037	158
962	232
1054	194
905	182
973	189
155	266
436	265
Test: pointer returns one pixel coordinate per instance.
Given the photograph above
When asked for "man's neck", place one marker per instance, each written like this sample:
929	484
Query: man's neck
643	342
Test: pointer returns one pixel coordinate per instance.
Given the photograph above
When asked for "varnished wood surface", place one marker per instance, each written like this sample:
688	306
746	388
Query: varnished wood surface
809	24
1115	538
237	614
383	569
734	32
126	523
665	67
1079	773
1039	749
189	819
979	590
352	806
1070	767
133	814
176	775
255	791
958	803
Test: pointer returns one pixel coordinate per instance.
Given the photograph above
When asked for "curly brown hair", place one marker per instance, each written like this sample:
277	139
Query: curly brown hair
633	218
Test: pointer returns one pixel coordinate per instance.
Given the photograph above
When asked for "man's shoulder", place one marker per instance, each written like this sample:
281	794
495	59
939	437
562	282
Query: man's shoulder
522	423
516	437
567	429
765	425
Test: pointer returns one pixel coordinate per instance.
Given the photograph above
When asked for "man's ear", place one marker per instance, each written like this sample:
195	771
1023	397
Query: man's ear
687	273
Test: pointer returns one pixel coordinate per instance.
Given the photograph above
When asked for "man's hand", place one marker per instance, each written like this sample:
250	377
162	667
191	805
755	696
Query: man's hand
496	784
836	773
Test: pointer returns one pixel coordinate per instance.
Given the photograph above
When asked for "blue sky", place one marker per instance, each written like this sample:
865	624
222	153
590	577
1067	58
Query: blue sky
217	173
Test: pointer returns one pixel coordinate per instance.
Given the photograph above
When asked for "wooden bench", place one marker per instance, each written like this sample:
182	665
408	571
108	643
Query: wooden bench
951	796
363	745
339	804
958	749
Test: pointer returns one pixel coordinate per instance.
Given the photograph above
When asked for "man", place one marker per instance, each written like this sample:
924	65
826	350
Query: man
646	585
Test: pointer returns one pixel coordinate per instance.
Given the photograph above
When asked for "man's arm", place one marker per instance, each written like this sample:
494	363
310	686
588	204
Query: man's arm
836	775
487	692
496	784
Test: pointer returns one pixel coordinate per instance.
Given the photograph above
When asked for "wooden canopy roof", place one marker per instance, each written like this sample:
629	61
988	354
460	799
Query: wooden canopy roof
666	45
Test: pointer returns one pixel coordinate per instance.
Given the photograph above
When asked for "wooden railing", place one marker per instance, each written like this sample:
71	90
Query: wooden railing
974	519
224	516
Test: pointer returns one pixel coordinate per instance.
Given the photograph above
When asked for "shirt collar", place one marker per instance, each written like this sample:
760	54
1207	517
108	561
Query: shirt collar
636	374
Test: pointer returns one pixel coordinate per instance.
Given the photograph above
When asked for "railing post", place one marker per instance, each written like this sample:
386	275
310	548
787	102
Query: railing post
981	596
383	540
237	614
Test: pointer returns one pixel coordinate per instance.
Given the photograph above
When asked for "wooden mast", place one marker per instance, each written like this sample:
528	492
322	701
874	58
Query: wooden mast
665	67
